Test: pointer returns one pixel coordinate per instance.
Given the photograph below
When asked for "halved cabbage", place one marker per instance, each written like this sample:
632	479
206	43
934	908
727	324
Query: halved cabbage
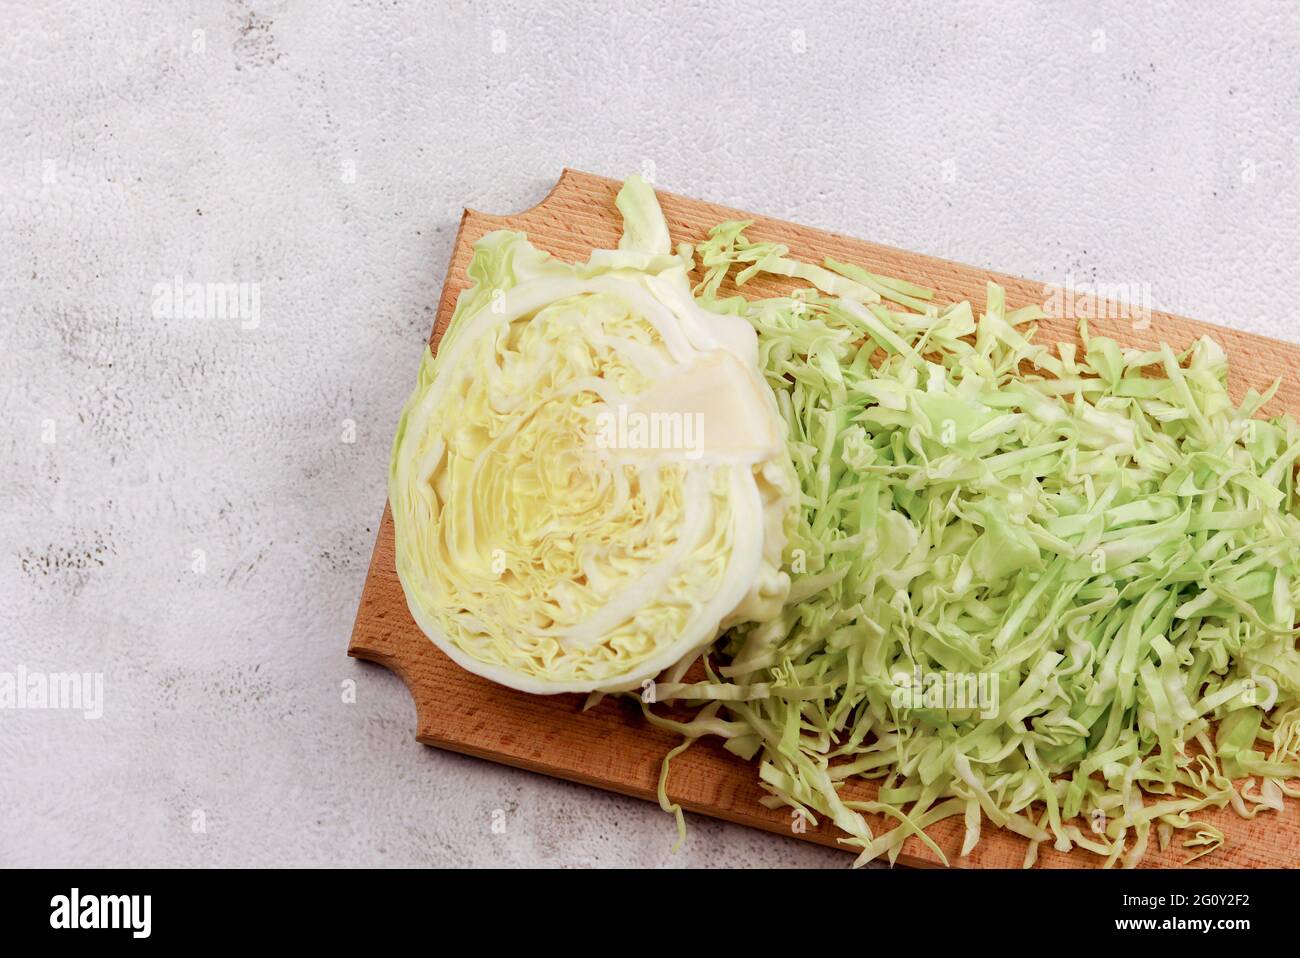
591	477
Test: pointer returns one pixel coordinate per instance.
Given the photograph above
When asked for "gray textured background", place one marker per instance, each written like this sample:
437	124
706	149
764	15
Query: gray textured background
324	151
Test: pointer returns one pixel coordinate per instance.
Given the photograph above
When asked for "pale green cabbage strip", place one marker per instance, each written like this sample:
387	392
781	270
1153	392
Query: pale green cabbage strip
1103	530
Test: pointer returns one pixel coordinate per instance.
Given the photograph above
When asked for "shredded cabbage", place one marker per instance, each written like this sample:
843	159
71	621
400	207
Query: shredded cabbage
1101	537
590	478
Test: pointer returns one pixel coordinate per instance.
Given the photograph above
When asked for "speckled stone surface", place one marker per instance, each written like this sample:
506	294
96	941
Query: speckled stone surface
187	504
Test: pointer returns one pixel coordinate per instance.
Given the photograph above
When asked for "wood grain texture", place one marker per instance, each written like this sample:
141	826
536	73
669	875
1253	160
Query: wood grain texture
611	746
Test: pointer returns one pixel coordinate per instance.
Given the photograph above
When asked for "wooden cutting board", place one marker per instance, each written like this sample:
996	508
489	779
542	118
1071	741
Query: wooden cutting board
611	746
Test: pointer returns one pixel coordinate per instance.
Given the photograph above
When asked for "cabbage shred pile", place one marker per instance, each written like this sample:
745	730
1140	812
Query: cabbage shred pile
1100	534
